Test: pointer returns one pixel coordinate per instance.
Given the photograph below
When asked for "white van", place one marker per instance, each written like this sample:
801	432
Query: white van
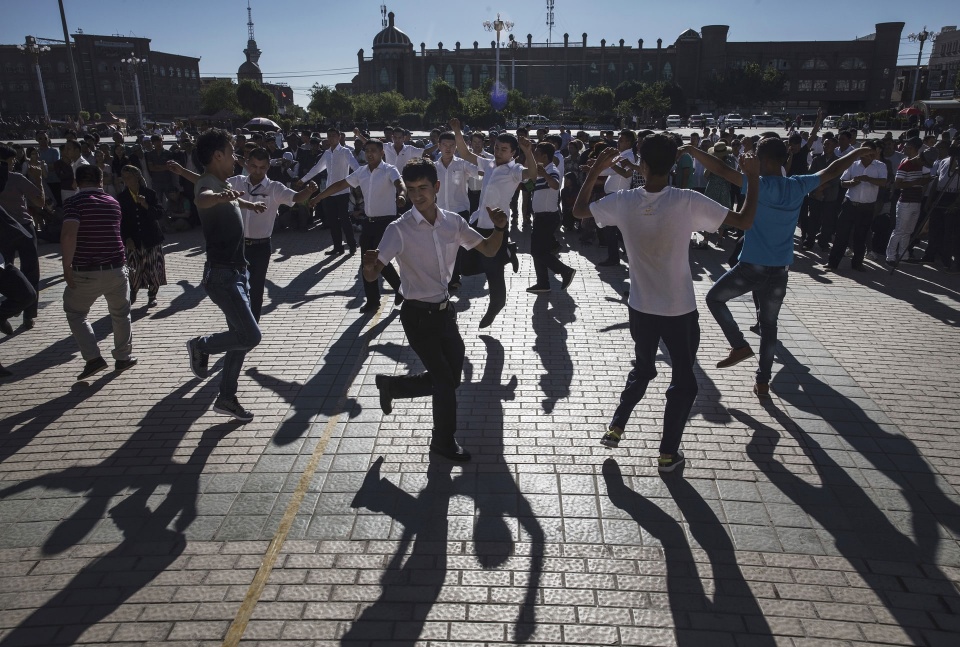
535	119
674	121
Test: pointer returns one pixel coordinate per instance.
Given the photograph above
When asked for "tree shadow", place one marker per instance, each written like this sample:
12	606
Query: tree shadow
734	611
894	455
149	544
863	533
320	395
550	343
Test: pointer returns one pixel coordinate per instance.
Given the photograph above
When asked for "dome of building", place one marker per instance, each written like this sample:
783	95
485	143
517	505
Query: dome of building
391	36
689	35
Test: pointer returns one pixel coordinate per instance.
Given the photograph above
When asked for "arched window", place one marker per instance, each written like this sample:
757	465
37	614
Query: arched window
466	76
853	63
815	64
384	78
449	77
629	72
163	71
431	76
667	71
179	73
484	73
594	69
171	71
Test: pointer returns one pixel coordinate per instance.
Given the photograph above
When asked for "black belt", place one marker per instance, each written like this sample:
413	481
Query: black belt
256	241
226	266
381	217
96	268
426	305
545	213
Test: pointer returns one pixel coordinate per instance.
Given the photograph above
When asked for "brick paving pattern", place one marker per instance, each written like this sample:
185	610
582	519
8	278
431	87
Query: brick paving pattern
130	514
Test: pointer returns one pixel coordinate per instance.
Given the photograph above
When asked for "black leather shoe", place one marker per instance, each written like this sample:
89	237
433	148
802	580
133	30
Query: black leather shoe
452	452
95	365
370	307
386	398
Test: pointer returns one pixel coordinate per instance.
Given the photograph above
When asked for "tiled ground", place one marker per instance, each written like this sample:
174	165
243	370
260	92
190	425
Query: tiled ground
132	515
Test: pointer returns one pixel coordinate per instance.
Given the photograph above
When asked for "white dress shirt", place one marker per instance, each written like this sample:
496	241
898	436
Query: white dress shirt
379	189
426	253
615	182
453	184
499	185
338	162
476	183
271	193
864	192
407	153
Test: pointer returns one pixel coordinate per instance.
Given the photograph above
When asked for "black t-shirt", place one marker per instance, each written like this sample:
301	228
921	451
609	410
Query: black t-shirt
222	225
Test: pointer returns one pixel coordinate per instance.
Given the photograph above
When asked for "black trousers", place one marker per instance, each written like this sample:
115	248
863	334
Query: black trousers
258	260
26	249
20	294
852	227
541	246
821	221
335	211
493	270
373	229
458	265
436	340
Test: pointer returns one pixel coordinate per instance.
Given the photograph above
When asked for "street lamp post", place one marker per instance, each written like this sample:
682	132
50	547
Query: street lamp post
498	26
919	38
514	44
34	50
134	62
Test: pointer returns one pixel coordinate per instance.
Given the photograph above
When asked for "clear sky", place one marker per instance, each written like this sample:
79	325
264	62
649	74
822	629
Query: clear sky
316	41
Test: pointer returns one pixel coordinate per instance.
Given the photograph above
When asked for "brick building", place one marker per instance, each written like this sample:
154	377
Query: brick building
944	65
843	76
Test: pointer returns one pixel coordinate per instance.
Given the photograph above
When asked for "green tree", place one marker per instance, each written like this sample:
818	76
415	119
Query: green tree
746	86
219	95
596	101
84	115
516	104
444	102
548	106
255	100
327	103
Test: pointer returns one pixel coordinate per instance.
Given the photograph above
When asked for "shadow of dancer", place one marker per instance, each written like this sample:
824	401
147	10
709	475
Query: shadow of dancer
322	394
737	617
862	532
295	293
892	454
190	297
148	548
550	328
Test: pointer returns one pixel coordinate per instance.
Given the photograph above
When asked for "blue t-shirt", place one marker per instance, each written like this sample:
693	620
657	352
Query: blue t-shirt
770	240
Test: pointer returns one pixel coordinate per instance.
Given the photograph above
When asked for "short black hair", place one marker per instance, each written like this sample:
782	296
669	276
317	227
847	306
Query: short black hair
71	143
376	142
507	138
333	129
546	148
89	174
477	133
447	135
419	168
211	141
659	152
795	139
259	154
772	148
153	138
6	152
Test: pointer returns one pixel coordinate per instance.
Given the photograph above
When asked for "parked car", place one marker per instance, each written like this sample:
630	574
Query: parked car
695	121
831	121
733	119
535	119
710	122
674	121
766	120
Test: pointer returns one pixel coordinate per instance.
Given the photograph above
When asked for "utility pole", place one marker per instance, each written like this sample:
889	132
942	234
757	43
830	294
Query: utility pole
73	66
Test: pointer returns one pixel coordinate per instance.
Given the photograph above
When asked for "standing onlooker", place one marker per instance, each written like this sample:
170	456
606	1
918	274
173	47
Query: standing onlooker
156	158
17	291
140	229
50	156
912	177
93	266
17	194
339	162
225	272
863	181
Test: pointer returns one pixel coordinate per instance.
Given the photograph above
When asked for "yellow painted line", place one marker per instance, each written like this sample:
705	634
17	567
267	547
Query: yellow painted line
245	612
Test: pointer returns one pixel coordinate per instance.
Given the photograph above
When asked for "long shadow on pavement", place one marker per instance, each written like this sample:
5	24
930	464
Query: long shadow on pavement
916	592
145	465
550	328
733	615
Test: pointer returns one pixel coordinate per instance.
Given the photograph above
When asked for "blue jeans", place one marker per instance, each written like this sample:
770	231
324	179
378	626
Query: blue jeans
681	336
769	285
228	290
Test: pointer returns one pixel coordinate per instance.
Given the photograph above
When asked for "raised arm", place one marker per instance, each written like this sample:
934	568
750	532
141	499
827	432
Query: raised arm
462	149
530	170
838	166
816	126
581	208
714	164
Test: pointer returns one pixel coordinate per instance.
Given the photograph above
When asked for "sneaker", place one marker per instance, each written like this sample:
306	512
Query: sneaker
95	365
123	364
736	356
568	279
612	438
670	464
761	390
229	406
198	359
538	289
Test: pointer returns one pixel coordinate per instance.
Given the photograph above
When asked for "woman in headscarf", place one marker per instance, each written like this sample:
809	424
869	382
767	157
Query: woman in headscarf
140	229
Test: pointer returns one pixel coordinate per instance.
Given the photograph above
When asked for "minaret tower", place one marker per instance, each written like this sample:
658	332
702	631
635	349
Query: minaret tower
251	68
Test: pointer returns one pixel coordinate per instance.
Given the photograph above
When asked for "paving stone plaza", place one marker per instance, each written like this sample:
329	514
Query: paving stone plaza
131	514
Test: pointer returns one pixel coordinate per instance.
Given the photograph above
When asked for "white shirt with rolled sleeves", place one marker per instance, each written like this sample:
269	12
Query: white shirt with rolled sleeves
864	192
407	153
271	193
616	182
378	187
453	184
338	162
426	253
656	230
499	185
476	183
